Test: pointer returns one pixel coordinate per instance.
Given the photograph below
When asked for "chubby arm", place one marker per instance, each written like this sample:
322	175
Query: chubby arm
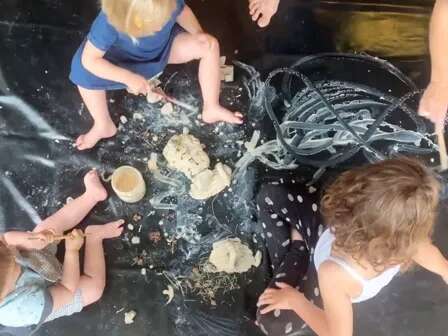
63	292
29	240
429	256
93	60
188	21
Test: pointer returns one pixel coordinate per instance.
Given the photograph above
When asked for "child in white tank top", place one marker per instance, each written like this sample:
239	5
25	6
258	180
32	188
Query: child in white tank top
380	219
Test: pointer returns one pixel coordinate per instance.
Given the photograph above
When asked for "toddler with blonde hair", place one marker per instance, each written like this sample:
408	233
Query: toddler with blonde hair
129	42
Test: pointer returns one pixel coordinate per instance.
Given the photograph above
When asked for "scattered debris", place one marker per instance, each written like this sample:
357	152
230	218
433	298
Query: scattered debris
135	240
155	236
138	116
129	317
170	293
226	71
136	217
207	285
167	109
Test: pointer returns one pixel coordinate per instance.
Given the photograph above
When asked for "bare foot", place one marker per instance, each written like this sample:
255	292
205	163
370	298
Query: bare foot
263	10
219	113
105	231
94	186
295	235
96	133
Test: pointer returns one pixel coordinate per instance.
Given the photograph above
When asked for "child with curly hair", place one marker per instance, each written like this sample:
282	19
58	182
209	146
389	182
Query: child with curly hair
379	221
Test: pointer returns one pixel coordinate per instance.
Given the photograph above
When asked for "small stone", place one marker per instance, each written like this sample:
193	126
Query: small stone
143	271
123	119
135	240
130	227
138	116
167	108
169	292
129	317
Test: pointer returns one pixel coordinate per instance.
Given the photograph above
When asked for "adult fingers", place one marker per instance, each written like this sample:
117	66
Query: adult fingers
268	309
282	285
265	296
265	301
270	291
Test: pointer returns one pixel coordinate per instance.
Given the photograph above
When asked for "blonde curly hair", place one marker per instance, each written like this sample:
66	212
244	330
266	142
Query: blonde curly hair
138	18
380	213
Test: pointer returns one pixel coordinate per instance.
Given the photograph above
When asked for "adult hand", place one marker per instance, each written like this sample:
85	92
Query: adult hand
434	103
74	241
137	84
282	298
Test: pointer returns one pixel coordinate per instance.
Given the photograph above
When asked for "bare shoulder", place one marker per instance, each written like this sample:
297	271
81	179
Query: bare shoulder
332	275
331	270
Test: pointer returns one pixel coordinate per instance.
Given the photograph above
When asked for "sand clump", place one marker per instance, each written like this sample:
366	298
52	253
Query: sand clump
231	256
185	153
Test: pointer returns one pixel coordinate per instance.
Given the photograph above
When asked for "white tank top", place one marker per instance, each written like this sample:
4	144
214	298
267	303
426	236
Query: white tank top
371	287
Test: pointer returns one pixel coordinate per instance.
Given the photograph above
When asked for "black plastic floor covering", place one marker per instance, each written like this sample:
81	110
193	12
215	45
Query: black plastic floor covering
41	113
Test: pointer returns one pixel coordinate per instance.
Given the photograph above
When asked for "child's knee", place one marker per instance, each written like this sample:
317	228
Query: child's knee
208	44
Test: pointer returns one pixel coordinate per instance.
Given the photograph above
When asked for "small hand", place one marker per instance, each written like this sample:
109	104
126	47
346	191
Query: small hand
282	298
74	241
434	103
137	84
41	239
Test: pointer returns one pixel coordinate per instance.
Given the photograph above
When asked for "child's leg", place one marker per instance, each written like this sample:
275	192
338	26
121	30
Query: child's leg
72	213
205	48
287	250
93	281
103	126
278	213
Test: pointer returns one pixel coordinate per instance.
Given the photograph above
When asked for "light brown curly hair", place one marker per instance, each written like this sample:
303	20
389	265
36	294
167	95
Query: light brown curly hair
379	213
7	263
